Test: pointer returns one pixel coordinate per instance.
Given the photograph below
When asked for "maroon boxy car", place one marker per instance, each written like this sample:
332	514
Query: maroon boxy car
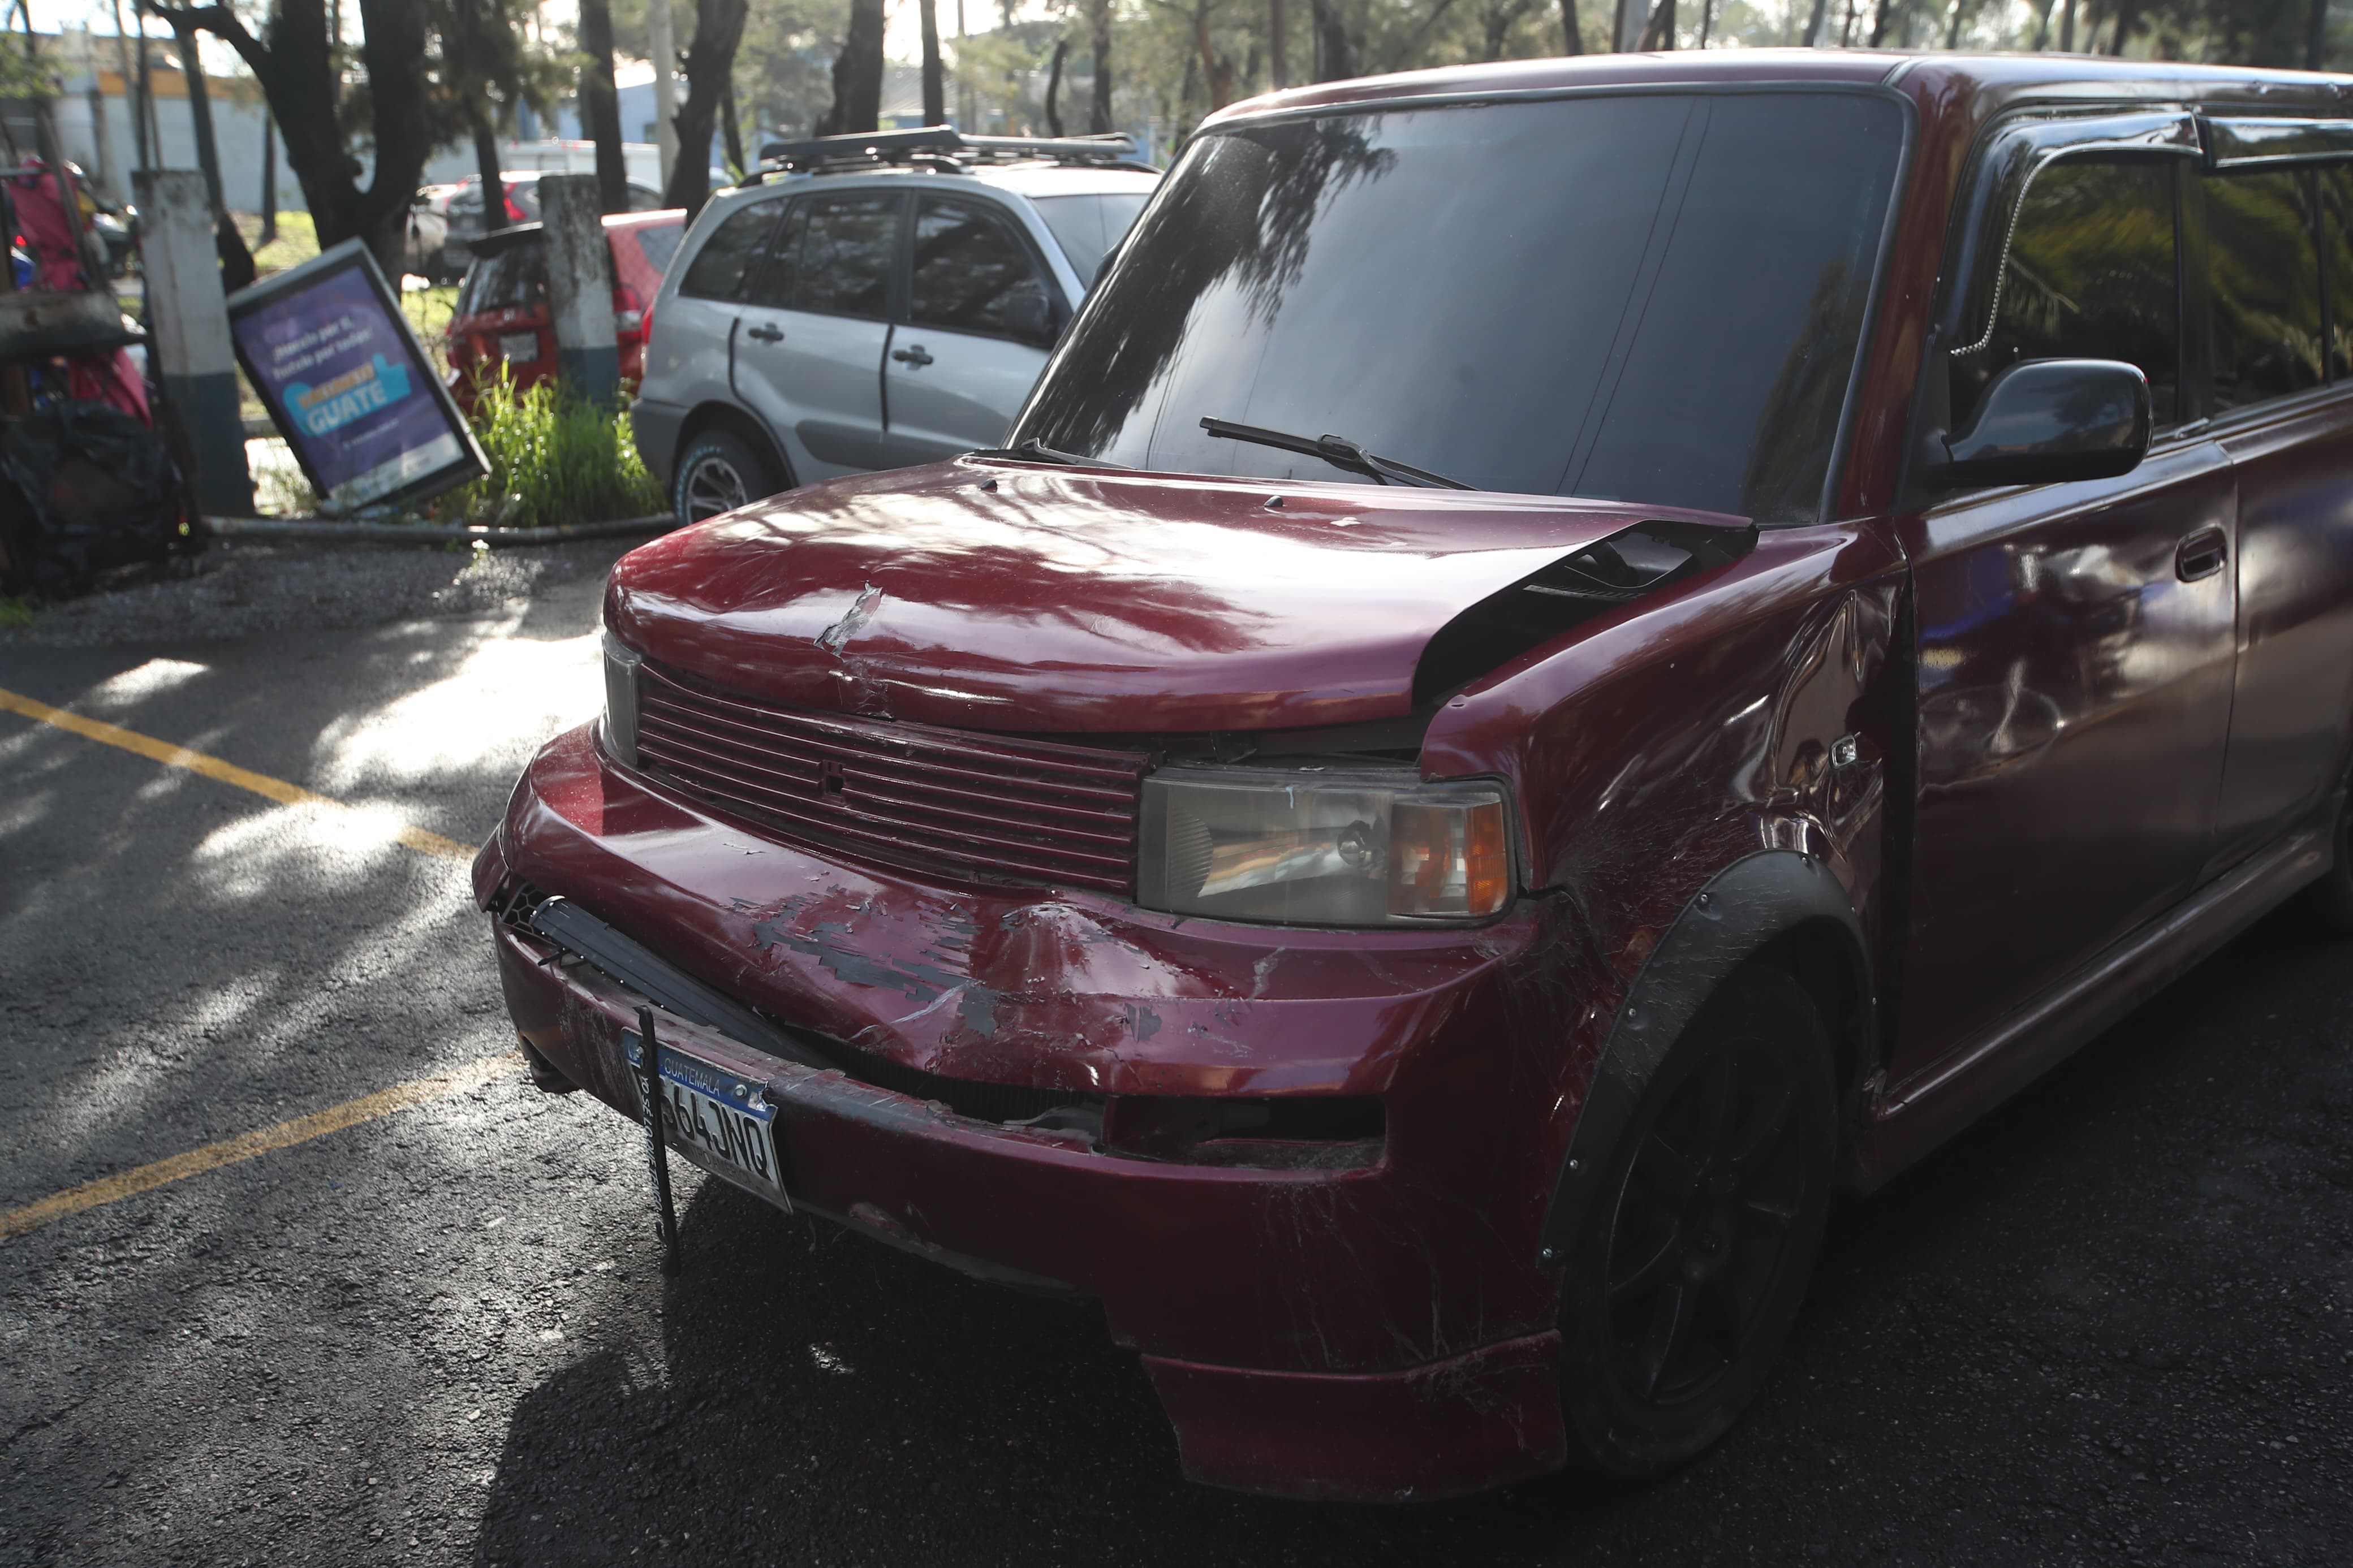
1567	658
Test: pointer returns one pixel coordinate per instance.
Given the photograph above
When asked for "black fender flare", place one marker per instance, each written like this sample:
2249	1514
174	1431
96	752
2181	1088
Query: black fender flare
1744	909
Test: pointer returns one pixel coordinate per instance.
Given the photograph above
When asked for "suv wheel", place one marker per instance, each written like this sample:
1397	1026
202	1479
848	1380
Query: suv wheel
718	472
1691	1265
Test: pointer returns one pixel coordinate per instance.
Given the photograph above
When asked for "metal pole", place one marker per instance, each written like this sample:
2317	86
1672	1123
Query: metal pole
660	44
131	94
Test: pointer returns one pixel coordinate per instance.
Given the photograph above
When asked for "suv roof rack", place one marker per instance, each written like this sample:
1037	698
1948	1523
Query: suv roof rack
944	148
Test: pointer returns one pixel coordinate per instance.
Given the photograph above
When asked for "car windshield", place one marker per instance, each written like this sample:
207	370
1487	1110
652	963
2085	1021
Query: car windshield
1653	298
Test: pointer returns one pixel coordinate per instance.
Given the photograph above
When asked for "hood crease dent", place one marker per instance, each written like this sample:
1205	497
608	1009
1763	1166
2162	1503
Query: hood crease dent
1076	600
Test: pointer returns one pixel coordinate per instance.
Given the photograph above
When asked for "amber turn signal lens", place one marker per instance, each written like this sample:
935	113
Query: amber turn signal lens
1448	859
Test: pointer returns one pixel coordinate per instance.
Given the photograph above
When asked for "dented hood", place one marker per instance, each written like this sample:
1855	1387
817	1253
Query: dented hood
991	594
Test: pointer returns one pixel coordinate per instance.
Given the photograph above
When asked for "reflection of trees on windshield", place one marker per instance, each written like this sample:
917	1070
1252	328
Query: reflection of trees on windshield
1239	211
1786	469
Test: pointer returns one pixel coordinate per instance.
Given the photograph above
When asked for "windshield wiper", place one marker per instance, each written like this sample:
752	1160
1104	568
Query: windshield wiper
1338	451
1040	452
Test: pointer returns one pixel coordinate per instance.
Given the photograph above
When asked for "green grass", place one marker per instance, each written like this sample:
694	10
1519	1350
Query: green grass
297	241
554	461
16	613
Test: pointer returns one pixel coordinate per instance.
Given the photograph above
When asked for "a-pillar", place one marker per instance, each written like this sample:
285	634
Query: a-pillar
187	331
580	286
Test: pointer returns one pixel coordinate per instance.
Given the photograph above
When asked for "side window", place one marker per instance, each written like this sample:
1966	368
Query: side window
717	270
2335	185
775	273
2091	275
845	253
2265	290
973	274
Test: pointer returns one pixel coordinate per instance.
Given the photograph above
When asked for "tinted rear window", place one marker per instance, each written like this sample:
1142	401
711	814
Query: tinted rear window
1087	226
1653	298
717	270
512	275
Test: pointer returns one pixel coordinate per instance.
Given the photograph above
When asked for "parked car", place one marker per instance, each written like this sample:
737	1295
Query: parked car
1568	657
503	316
460	205
880	302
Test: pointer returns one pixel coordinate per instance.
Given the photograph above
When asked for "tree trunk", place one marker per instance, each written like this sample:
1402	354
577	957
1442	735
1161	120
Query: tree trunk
1216	70
269	177
1814	26
2067	29
1661	31
857	75
935	87
709	75
200	111
1278	69
1878	21
487	164
1707	20
1099	22
600	105
1054	88
2127	18
1335	56
2315	38
730	127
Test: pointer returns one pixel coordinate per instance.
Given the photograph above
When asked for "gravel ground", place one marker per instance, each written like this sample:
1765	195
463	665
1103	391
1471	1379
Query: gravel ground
238	589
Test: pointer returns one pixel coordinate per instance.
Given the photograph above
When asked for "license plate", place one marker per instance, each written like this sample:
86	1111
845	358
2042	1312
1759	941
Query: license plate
521	347
718	1120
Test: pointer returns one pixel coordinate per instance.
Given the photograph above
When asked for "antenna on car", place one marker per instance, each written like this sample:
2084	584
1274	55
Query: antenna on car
945	149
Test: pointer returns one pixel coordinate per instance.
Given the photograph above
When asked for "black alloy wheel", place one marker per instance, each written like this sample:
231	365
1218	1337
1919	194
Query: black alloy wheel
1691	1263
717	472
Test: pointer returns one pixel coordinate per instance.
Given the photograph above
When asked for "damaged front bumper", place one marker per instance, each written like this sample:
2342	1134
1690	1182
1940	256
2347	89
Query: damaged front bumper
1302	1171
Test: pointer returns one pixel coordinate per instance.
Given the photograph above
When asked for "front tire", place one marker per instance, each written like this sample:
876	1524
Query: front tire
1692	1262
717	472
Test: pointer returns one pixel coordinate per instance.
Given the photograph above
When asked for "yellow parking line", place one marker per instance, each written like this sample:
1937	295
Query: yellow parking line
245	1145
213	768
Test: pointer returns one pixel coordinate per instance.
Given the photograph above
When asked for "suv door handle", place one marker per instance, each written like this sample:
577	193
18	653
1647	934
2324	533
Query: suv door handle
2200	555
912	355
766	334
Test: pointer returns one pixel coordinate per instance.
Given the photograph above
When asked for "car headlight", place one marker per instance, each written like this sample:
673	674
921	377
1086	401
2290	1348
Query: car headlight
621	700
1332	847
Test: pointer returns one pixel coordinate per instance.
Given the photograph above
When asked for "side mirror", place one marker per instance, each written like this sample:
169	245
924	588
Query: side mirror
2048	421
1031	317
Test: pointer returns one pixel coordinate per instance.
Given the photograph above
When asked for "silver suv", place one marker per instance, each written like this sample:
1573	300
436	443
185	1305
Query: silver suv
873	303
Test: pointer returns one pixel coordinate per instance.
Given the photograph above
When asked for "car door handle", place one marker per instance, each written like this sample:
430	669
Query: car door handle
2200	555
766	334
912	355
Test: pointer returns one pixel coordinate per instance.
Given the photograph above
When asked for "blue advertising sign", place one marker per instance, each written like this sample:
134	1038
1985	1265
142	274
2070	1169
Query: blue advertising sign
326	347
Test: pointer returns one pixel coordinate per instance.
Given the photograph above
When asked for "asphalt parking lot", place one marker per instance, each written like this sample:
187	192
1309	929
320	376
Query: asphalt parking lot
2114	1323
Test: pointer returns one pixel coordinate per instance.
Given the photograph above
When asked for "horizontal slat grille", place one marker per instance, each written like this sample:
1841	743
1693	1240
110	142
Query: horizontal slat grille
986	806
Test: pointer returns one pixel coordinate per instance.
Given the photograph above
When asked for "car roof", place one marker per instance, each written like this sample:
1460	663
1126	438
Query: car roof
1965	88
1038	179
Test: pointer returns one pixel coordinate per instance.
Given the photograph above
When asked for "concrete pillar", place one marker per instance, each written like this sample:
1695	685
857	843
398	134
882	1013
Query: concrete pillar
580	286
187	328
665	54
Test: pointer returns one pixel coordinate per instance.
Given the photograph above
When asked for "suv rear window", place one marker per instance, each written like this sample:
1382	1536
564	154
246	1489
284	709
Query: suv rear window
717	270
660	242
1651	297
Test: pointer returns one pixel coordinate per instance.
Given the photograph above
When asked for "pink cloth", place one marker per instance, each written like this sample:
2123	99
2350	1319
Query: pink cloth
47	238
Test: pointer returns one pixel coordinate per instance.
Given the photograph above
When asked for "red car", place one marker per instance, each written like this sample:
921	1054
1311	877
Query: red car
503	313
1567	658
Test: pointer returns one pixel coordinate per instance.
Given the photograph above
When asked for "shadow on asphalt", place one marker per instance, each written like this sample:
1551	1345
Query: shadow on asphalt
2076	1334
